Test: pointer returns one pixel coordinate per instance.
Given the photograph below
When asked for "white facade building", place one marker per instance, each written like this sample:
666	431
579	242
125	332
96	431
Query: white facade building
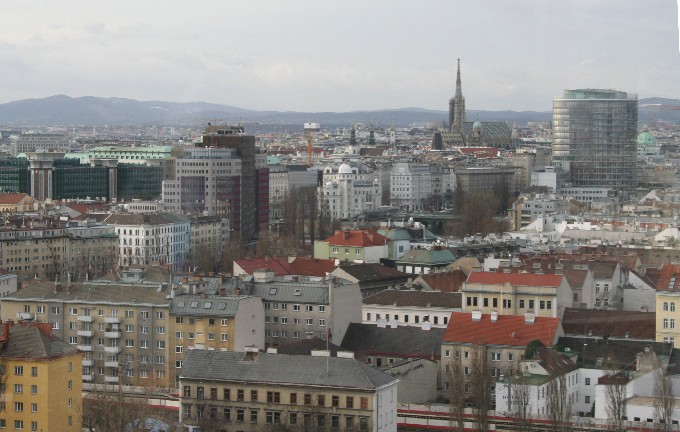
350	191
143	239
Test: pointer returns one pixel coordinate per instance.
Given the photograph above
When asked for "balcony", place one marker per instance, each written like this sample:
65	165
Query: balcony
112	334
112	350
86	318
111	379
88	377
113	364
112	320
88	362
85	333
84	347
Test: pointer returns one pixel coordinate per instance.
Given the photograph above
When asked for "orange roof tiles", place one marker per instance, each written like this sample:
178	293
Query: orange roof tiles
357	238
667	279
516	279
12	198
311	266
510	330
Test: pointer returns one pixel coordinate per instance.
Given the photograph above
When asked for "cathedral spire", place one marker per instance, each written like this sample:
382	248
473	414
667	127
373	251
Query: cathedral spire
457	106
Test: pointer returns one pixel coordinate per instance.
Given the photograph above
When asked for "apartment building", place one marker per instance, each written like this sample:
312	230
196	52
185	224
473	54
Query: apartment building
668	304
115	324
362	246
215	323
147	238
41	383
348	190
394	307
44	249
502	339
296	307
251	391
546	295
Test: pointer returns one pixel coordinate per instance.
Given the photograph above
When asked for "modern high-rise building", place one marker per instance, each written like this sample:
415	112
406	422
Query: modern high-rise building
594	138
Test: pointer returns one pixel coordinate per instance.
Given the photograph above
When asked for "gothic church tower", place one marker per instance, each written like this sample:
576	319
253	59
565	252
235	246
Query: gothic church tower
457	107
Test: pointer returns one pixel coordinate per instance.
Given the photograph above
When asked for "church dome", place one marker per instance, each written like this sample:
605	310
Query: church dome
345	169
646	138
477	125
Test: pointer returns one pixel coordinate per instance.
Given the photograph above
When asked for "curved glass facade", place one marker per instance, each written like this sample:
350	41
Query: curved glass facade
594	138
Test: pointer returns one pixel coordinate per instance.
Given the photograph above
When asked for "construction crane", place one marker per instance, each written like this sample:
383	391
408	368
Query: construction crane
310	128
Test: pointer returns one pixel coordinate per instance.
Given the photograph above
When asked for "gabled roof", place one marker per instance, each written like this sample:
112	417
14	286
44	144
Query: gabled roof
576	278
446	281
395	233
554	363
467	264
392	297
12	198
356	238
613	323
278	264
372	272
304	266
282	369
515	279
403	341
428	257
29	342
510	330
292	292
214	306
666	279
610	354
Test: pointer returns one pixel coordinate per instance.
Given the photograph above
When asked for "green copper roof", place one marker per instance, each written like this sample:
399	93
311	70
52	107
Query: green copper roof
646	138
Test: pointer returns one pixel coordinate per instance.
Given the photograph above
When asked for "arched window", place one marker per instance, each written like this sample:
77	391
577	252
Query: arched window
672	306
665	306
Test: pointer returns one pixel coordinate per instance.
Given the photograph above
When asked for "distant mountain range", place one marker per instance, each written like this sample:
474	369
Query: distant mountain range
90	110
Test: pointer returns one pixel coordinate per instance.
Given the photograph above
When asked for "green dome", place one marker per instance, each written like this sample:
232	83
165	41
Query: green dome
477	125
646	138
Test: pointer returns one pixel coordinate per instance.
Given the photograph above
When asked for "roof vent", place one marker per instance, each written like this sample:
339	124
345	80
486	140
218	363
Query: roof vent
476	315
494	316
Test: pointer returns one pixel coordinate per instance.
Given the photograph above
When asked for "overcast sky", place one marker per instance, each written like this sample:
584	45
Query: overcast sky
339	55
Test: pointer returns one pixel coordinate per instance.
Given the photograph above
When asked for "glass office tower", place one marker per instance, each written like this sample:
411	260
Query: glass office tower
594	138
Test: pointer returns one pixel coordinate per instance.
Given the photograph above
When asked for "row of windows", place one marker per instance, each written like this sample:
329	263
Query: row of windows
308	399
296	321
416	318
113	313
507	303
273	417
296	307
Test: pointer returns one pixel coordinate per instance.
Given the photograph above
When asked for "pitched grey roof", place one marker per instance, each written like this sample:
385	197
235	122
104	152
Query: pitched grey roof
29	342
292	292
428	257
406	341
146	219
194	305
282	369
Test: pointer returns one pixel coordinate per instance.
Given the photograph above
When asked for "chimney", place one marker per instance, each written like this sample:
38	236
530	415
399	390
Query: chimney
345	235
237	291
346	354
272	350
321	353
476	315
529	317
494	315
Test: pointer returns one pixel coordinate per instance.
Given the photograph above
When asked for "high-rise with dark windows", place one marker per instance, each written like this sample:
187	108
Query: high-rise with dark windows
594	138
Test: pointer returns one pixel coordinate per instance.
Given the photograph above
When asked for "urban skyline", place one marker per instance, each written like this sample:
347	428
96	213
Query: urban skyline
350	57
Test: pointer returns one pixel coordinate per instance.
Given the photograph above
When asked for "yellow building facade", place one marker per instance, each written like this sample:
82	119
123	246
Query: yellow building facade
41	386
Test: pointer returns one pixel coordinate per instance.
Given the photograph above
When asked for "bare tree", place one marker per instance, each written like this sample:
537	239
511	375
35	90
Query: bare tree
615	396
664	402
558	403
520	400
482	386
457	392
105	410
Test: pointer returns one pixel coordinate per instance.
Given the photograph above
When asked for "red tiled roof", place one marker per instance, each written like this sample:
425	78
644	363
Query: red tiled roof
357	238
508	330
613	323
515	279
667	279
12	198
311	266
448	281
278	264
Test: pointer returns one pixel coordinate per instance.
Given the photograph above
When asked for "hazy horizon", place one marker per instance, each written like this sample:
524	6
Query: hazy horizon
350	56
